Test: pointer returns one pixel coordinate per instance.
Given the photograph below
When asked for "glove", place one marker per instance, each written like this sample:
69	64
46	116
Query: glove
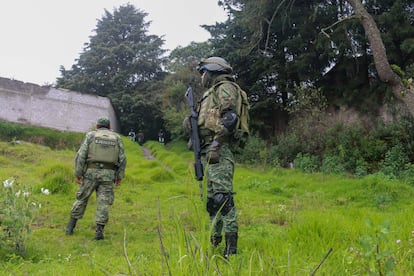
213	152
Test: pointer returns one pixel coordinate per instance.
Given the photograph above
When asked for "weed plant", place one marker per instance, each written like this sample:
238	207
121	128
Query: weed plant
291	223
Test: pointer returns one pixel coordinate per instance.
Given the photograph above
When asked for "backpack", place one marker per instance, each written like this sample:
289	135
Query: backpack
104	147
242	133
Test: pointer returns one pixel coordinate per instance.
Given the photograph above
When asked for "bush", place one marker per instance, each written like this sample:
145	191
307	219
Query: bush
307	162
332	164
17	213
394	162
361	168
254	153
407	175
285	149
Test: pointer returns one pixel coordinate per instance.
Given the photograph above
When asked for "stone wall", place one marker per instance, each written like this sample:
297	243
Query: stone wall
65	110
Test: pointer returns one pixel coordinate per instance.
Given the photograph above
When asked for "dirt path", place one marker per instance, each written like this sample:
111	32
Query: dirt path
149	156
147	153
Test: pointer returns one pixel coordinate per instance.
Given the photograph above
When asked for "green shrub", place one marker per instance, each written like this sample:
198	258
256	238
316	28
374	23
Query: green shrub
17	212
361	168
372	255
306	162
254	153
332	164
285	149
407	175
395	161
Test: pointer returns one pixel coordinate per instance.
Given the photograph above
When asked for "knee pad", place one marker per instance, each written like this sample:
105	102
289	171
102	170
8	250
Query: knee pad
228	204
220	201
211	207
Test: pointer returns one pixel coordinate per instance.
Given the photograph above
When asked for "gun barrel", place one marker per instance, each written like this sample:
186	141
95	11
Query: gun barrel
198	166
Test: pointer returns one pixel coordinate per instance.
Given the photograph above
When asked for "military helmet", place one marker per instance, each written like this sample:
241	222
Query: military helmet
214	64
103	122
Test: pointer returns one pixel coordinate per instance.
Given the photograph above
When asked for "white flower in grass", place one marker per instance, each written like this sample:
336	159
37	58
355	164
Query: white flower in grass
8	183
45	191
26	194
18	193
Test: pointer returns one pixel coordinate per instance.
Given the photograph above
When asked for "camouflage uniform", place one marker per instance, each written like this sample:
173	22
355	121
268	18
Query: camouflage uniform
222	97
219	175
97	176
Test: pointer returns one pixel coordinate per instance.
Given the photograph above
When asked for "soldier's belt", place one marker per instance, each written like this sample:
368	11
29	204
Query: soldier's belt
101	166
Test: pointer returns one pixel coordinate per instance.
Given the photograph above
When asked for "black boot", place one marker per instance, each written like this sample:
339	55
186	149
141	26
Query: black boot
216	240
99	232
71	225
231	244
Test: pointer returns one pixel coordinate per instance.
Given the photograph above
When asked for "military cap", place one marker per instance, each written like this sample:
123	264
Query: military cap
103	121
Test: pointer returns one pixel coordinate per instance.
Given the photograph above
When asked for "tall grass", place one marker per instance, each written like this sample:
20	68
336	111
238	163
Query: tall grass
291	223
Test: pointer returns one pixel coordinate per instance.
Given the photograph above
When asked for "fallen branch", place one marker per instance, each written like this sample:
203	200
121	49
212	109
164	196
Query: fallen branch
322	261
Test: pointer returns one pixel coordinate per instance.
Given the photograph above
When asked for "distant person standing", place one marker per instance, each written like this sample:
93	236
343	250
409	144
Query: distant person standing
140	138
99	165
131	135
161	136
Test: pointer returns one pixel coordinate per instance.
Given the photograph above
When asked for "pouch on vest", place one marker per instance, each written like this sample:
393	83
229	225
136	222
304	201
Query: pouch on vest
104	148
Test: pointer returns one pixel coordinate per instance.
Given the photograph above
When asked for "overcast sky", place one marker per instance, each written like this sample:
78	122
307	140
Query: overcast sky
38	36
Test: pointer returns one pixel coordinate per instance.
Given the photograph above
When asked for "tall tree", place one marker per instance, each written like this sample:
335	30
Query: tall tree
273	47
385	72
276	45
125	63
119	57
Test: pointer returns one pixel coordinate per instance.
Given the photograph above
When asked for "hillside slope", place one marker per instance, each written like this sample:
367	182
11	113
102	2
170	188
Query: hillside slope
158	224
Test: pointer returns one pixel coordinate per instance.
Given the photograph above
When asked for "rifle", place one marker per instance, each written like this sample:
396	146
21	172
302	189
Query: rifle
195	139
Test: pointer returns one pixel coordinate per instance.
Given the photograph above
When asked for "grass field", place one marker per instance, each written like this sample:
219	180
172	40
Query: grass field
290	223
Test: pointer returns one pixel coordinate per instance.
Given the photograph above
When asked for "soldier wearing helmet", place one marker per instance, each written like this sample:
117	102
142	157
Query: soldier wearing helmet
99	164
217	119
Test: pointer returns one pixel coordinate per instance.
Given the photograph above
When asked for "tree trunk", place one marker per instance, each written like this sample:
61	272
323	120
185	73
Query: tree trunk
382	65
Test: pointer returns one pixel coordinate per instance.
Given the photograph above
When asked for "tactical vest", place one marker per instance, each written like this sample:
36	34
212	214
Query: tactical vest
104	147
209	116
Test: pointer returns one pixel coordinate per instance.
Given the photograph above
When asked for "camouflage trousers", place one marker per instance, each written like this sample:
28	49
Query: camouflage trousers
94	181
219	178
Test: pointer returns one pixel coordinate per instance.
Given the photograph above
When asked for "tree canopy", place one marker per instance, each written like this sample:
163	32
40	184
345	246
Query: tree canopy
119	61
278	49
118	58
276	46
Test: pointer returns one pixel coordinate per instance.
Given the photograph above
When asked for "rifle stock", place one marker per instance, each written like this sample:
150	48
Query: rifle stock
195	139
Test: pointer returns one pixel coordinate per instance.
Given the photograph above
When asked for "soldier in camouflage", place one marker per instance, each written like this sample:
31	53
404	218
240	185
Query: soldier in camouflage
217	119
99	165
